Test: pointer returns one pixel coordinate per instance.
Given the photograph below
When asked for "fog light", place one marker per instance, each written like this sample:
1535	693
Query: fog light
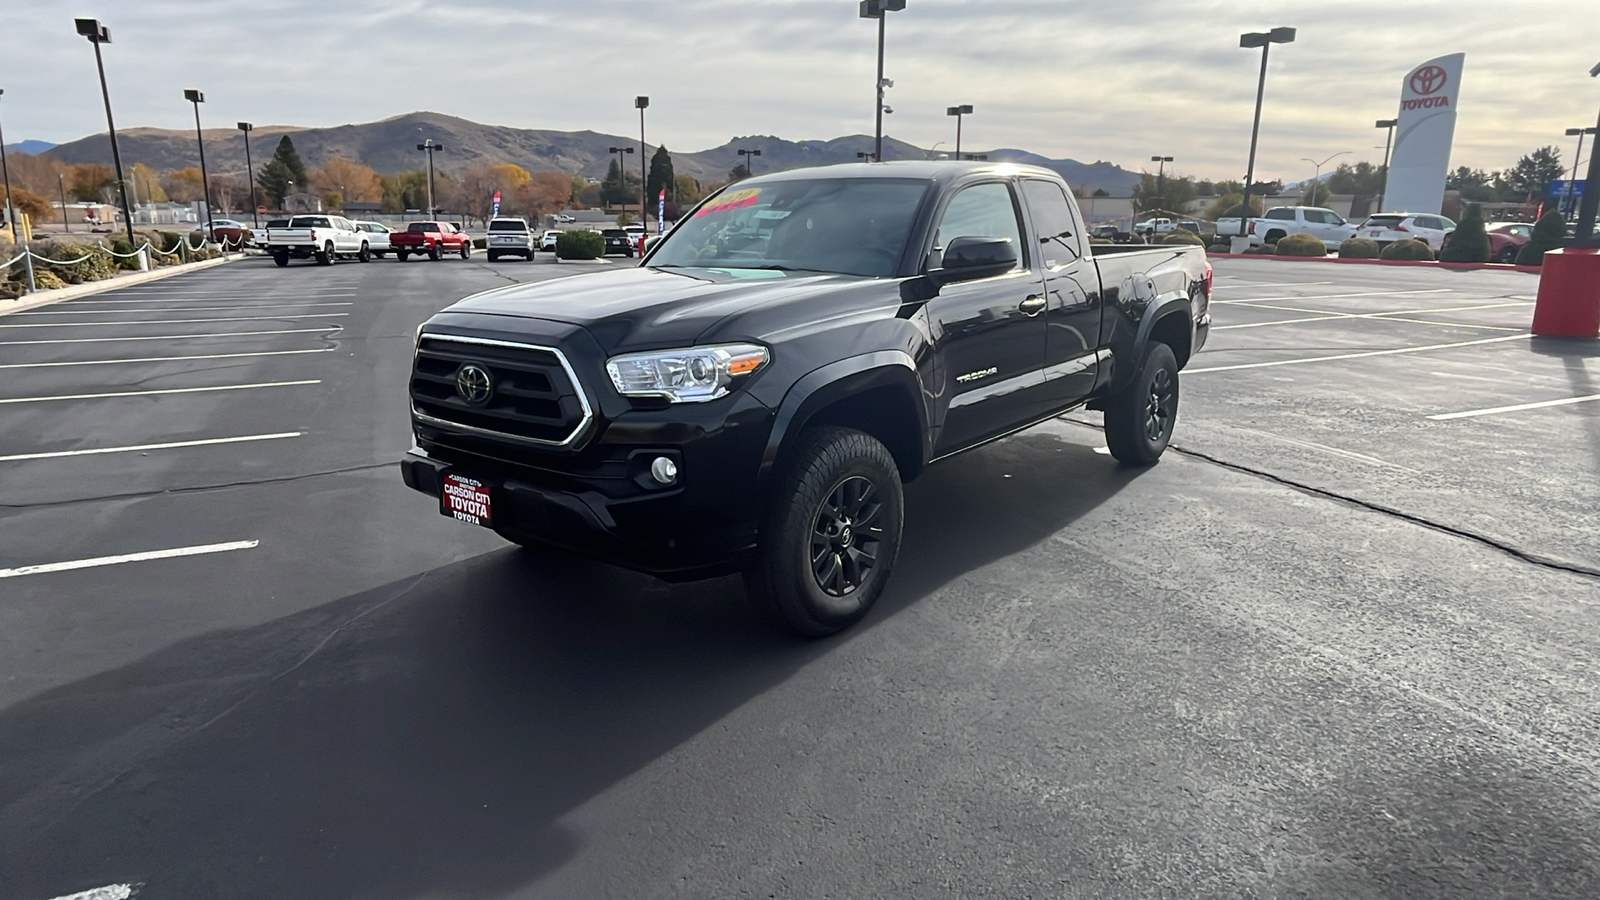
664	470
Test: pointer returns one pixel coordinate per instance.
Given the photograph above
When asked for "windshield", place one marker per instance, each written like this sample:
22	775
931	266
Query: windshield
851	226
508	225
422	227
309	222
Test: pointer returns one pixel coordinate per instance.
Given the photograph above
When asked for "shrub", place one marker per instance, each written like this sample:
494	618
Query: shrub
1548	234
1101	241
1410	248
580	245
125	262
1469	243
97	266
1182	236
1137	239
1301	245
46	280
1264	249
1359	248
1220	247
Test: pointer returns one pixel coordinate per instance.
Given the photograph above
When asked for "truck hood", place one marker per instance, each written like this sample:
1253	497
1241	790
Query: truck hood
647	308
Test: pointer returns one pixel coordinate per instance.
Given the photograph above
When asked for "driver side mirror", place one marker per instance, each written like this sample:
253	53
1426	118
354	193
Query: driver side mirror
972	258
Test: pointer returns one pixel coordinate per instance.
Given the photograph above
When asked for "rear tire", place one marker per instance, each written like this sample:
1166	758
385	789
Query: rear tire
1140	418
829	540
325	256
402	255
281	258
493	256
433	252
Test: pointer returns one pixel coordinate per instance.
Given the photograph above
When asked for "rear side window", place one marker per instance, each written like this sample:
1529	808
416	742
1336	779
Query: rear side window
1052	217
423	227
1280	214
983	210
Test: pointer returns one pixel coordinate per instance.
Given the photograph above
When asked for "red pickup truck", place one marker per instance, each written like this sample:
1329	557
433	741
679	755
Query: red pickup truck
432	238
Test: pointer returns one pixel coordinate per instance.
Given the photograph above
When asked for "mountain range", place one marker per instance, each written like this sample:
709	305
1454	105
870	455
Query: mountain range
390	146
29	147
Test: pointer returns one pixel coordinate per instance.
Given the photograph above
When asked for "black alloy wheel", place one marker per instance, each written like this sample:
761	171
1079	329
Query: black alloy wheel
1140	418
466	249
846	537
364	254
433	251
325	256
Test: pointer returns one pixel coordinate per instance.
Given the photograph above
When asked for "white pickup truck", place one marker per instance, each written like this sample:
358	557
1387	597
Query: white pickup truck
1279	222
326	238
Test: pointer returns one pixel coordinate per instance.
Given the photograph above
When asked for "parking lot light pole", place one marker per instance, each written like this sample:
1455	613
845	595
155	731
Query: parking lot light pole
1317	178
1161	178
11	211
61	183
99	34
197	98
430	147
1388	142
879	9
958	112
750	160
643	103
1264	40
1576	160
250	172
1586	236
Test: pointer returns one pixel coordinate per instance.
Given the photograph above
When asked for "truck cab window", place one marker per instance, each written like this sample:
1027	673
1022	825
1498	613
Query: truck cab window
984	210
1052	218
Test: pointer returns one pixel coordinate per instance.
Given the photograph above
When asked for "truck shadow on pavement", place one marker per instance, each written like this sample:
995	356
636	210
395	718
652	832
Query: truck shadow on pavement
424	738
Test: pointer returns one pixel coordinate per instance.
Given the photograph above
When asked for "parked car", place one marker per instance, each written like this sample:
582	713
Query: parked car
1386	228
1506	240
233	234
1279	222
432	238
686	419
1155	226
548	241
325	238
1110	233
377	236
617	242
565	219
509	236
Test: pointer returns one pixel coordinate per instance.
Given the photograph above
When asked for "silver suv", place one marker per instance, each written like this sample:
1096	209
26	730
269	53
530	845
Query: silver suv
510	236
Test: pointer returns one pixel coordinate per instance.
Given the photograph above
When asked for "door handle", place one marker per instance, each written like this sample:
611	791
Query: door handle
1034	305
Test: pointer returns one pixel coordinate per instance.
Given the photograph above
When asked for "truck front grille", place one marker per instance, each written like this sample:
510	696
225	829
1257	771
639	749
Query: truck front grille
532	395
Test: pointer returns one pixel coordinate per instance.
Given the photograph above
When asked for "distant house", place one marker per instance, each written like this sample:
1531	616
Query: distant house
362	210
87	213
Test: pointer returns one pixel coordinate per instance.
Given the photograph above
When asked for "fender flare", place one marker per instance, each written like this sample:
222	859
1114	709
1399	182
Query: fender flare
821	387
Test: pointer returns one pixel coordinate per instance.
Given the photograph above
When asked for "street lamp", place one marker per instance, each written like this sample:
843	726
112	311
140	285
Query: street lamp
641	104
1586	236
958	112
61	183
1249	41
99	34
197	98
750	160
11	212
250	172
430	147
1388	142
1579	133
1161	178
1317	178
863	154
879	9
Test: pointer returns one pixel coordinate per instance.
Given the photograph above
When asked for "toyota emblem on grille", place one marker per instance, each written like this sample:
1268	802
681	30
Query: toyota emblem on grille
474	384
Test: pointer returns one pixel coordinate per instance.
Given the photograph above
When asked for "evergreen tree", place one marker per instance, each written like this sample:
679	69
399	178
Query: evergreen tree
1470	241
738	173
1549	234
616	188
283	174
661	175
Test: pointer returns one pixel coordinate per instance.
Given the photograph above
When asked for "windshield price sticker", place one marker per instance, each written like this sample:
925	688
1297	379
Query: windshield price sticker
731	202
465	499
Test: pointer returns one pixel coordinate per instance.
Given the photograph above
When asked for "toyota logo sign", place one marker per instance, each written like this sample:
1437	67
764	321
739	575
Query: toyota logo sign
1428	80
474	384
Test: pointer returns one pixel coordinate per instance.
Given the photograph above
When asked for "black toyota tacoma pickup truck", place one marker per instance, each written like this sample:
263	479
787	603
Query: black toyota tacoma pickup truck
753	394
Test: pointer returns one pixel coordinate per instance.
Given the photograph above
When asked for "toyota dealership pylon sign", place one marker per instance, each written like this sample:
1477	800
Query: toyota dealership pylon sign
1427	128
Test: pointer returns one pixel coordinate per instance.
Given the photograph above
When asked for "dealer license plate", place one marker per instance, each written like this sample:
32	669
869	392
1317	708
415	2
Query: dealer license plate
466	499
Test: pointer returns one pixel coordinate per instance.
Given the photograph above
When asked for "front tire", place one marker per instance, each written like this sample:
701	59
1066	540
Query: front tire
1508	254
364	254
1140	417
466	250
830	538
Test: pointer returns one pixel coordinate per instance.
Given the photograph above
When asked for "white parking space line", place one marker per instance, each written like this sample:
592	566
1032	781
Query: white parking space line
200	550
170	337
240	298
179	321
134	448
1322	315
1332	451
156	393
185	309
1262	284
156	359
1497	410
1359	355
1338	296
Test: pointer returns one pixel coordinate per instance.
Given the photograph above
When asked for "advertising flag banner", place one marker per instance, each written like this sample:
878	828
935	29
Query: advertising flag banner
496	211
1428	98
661	212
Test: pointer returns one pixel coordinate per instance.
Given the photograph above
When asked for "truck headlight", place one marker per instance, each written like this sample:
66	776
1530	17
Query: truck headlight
694	375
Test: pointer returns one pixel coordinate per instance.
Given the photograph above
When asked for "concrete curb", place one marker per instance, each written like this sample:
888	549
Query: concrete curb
1463	267
73	292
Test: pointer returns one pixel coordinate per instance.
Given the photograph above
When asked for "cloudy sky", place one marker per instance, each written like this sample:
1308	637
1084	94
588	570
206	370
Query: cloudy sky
1088	80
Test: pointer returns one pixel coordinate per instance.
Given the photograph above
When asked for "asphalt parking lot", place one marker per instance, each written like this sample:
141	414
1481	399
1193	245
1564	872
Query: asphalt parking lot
1340	643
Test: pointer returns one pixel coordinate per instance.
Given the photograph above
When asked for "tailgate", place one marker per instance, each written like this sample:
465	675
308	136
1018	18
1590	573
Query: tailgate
291	236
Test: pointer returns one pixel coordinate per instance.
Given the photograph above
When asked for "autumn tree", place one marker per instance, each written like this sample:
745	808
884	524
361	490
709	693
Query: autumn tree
87	181
35	173
542	194
146	184
342	180
403	191
182	185
30	204
688	190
